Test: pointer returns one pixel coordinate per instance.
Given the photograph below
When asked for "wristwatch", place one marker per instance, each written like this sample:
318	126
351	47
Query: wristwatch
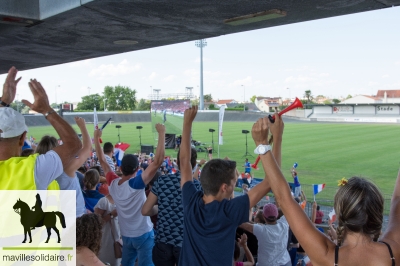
112	216
262	149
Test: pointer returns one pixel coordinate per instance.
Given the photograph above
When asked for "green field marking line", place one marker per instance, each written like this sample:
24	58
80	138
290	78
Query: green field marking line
38	248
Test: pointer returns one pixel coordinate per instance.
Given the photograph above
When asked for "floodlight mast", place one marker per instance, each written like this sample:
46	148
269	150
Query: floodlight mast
201	43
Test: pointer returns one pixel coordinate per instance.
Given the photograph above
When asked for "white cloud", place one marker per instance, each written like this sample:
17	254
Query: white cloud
152	76
299	78
82	63
111	70
289	79
397	63
385	76
322	75
169	78
191	72
248	81
372	83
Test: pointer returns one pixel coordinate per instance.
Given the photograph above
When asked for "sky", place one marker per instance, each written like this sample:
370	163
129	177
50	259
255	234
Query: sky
353	54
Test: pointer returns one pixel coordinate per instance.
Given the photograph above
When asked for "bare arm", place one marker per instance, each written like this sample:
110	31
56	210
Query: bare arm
151	170
150	207
392	234
71	143
314	212
243	243
84	153
277	133
100	153
185	151
247	226
303	196
260	136
314	243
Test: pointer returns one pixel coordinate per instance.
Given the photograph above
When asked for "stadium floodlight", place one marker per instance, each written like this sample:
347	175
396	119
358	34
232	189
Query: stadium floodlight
140	135
118	127
201	43
244	131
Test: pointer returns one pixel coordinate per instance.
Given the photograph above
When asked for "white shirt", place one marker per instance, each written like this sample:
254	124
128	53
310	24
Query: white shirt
129	203
47	168
272	243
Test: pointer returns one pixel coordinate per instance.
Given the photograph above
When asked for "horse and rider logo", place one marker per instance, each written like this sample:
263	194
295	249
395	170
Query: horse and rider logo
37	218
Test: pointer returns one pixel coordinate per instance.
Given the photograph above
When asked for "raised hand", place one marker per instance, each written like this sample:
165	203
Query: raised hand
160	129
276	128
10	86
80	122
190	114
242	240
97	133
41	101
259	132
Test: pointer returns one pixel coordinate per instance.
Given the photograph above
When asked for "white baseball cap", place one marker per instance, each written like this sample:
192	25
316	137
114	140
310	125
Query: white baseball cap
12	123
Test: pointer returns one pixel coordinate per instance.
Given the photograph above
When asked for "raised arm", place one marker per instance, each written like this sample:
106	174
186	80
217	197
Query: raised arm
84	153
150	207
259	133
99	152
71	143
151	170
185	150
314	212
392	233
314	243
243	243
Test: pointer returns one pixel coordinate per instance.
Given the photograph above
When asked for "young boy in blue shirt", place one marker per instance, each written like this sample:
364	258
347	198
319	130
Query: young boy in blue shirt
211	218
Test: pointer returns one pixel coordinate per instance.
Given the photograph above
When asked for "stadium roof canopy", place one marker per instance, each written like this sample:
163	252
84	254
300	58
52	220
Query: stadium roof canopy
38	33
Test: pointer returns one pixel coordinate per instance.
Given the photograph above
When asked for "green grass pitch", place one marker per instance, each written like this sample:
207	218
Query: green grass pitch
325	152
173	125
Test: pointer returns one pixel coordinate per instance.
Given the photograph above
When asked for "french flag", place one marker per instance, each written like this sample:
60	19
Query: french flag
332	216
318	188
119	151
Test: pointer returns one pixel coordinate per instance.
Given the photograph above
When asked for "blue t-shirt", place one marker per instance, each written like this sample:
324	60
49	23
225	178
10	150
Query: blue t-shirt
210	229
91	198
247	167
296	181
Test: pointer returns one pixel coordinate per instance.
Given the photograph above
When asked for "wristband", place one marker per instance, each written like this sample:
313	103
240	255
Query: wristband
4	104
49	113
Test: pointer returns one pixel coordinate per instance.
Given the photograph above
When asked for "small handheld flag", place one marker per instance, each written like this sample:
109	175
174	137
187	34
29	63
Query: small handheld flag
96	122
105	124
295	165
119	151
332	216
318	188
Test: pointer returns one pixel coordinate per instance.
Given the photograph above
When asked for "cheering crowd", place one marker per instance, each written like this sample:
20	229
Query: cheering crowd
135	214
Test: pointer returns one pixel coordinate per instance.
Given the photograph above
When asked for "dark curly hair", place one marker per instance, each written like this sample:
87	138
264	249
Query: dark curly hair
88	232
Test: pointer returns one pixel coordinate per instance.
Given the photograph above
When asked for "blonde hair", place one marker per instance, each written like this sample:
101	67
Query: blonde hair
359	208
